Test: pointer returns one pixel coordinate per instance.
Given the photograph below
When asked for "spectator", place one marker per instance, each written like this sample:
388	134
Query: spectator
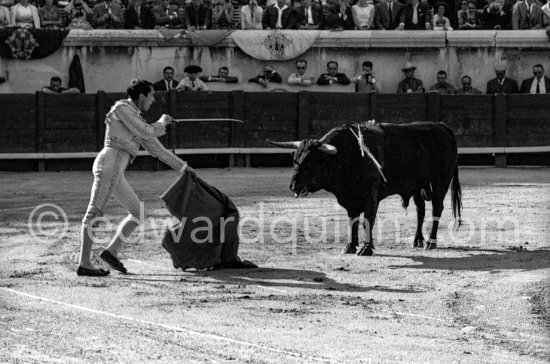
4	15
251	16
300	77
222	76
191	82
25	15
526	14
139	16
387	14
313	15
494	16
167	15
332	75
107	15
440	21
410	84
539	84
277	16
415	16
468	17
363	14
222	14
268	76
442	86
467	88
198	16
365	81
297	16
56	88
168	82
337	14
546	15
78	12
501	84
50	15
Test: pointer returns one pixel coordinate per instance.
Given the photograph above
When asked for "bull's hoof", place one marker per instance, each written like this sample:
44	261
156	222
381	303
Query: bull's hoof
350	249
366	250
430	246
418	243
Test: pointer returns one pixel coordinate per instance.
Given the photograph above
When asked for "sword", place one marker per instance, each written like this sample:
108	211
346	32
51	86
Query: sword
213	119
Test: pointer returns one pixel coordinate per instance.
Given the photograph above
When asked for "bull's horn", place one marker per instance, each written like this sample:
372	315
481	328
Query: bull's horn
288	145
329	149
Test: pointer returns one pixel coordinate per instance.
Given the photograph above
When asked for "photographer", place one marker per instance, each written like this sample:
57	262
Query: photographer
495	18
78	11
365	82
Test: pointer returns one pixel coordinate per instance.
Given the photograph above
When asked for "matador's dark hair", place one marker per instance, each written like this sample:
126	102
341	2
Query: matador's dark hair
138	87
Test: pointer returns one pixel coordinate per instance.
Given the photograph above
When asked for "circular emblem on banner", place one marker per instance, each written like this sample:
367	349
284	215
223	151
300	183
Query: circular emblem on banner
277	43
22	43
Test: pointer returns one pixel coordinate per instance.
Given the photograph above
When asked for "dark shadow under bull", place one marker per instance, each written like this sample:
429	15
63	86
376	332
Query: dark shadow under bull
418	160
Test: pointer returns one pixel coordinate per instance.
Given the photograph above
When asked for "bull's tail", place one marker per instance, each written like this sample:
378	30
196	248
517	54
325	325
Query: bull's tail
456	197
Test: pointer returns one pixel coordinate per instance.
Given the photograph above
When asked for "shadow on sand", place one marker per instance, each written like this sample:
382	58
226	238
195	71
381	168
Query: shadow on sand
488	260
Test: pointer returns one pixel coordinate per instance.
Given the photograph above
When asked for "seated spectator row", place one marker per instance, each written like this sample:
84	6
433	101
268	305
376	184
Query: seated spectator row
275	14
365	81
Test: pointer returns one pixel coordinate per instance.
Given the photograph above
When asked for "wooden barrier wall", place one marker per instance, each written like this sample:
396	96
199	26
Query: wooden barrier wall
44	123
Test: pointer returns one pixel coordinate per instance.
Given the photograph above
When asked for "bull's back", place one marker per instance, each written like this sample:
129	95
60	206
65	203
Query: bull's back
416	152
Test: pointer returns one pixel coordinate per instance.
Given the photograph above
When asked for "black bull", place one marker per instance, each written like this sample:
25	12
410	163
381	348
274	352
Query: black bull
419	160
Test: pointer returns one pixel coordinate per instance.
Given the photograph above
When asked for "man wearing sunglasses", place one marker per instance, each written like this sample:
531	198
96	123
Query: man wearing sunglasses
538	84
333	76
300	77
467	88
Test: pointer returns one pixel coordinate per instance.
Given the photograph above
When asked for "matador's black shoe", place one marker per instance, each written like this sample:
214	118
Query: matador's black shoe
81	271
113	261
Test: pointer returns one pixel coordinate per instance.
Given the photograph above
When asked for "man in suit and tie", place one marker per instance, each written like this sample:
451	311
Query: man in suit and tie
139	16
502	84
467	88
313	15
527	14
387	14
539	84
277	16
415	15
168	82
107	15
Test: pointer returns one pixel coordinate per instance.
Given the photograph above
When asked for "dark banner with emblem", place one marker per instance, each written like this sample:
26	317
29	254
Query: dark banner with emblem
24	43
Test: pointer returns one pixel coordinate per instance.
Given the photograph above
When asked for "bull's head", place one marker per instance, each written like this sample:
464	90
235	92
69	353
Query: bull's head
310	164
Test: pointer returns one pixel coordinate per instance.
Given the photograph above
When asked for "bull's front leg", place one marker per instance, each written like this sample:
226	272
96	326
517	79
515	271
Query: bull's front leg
368	224
351	248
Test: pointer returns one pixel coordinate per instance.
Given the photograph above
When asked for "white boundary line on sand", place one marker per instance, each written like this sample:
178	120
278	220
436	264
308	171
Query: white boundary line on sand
170	327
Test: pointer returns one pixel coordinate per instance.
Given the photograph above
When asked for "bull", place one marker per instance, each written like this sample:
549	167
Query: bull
417	160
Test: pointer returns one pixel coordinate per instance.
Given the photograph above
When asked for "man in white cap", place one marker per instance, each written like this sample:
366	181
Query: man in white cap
502	84
410	84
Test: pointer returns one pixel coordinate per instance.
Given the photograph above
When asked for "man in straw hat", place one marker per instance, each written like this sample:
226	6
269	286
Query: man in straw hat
502	84
410	84
192	82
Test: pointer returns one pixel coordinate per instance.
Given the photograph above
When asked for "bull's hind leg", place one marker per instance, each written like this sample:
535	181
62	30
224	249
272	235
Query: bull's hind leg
420	214
351	248
440	187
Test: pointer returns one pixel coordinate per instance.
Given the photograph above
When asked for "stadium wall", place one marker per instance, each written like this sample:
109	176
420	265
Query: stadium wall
64	132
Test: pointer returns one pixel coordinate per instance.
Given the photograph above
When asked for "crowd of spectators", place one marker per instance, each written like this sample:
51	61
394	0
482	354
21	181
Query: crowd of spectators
365	81
275	14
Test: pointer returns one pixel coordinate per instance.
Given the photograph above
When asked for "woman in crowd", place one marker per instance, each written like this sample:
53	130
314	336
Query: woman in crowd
222	14
4	14
126	130
251	16
50	15
363	14
468	16
440	21
78	12
25	15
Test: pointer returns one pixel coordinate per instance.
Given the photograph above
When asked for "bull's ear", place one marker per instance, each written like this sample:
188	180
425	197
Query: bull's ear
288	145
327	148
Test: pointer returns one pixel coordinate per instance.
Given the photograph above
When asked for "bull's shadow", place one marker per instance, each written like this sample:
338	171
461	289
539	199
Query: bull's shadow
291	278
481	260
